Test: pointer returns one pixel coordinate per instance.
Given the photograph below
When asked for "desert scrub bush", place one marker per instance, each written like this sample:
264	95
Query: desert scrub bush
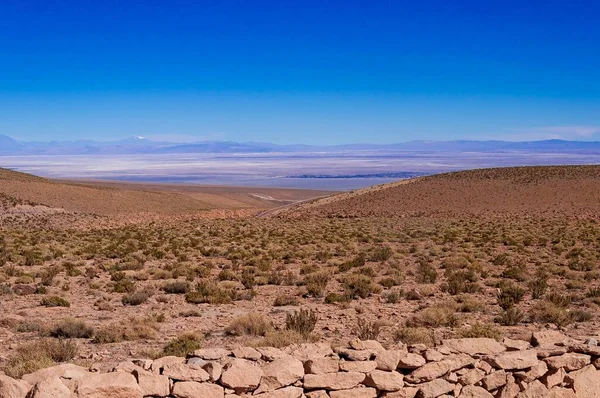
538	285
71	328
227	275
393	297
461	282
391	281
302	321
136	298
593	292
49	274
317	283
177	287
209	292
183	345
333	298
359	286
546	311
510	294
510	317
357	261
516	271
467	303
368	330
426	273
284	300
435	316
55	301
134	329
414	335
251	324
381	254
481	330
37	355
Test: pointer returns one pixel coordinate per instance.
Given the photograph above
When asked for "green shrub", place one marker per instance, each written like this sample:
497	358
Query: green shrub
183	345
302	321
136	298
72	328
54	301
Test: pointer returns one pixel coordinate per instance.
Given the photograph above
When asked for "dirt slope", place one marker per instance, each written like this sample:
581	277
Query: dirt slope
565	190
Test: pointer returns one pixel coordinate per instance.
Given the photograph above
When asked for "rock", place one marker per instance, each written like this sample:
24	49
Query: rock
534	373
321	365
494	380
389	360
271	353
52	387
486	367
554	378
433	370
286	392
281	373
570	361
411	361
550	351
317	394
435	388
359	392
192	389
160	363
591	341
432	355
247	353
307	351
474	392
356	355
152	384
241	376
211	354
514	360
333	381
560	392
597	363
143	363
404	392
535	389
471	377
371	345
385	381
12	388
547	337
515	345
510	390
196	361
185	372
127	367
108	385
214	370
58	371
358	366
585	349
586	382
475	346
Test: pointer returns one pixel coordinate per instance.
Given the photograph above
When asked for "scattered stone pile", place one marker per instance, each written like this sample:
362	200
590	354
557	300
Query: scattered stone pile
550	365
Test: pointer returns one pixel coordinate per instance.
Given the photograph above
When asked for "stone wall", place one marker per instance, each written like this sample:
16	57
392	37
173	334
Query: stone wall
550	365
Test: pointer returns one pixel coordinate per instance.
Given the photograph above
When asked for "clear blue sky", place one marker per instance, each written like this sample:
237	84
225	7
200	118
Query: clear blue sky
291	71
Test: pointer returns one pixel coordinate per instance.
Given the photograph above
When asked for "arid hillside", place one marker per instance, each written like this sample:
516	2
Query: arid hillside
564	190
108	198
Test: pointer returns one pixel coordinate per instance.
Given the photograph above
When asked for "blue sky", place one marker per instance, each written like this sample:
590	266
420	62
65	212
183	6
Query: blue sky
320	72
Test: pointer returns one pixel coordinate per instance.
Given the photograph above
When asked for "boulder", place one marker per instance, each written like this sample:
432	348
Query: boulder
321	365
358	366
535	389
52	387
474	392
193	389
434	370
307	351
411	361
281	373
385	381
59	371
435	388
554	378
241	376
560	392
475	346
211	354
586	382
286	392
333	381
432	355
160	363
152	384
247	353
12	388
108	385
270	353
515	345
494	380
389	360
358	392
471	377
514	360
547	337
317	394
371	345
185	372
404	392
534	373
570	361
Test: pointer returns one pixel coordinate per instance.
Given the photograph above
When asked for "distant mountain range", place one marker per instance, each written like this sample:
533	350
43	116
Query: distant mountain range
139	145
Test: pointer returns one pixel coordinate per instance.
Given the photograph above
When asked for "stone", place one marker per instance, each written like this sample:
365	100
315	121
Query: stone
358	366
214	370
358	392
404	392
12	388
196	361
547	337
586	382
321	365
185	372
281	373
554	378
433	370
241	376
143	363
411	361
158	364
591	341
385	381
432	355
435	388
514	360
271	353
152	384
333	381
356	355
593	350
192	389
211	354
535	389
371	345
534	373
475	346
597	363
550	351
510	389
286	392
317	394
570	361
389	360
52	387
494	380
307	351
486	367
58	370
247	353
108	385
515	345
560	392
471	377
474	392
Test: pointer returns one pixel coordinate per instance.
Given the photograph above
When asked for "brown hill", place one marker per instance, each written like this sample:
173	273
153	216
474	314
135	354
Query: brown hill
118	198
546	190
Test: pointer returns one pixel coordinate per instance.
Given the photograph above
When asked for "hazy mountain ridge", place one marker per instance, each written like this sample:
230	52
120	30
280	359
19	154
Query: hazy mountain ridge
139	145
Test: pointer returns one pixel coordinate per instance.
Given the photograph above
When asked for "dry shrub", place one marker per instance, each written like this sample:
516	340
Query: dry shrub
37	355
136	298
368	330
317	283
72	328
359	286
55	301
435	316
546	311
481	330
252	324
284	300
302	321
510	317
414	335
183	345
176	287
282	338
133	329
